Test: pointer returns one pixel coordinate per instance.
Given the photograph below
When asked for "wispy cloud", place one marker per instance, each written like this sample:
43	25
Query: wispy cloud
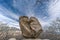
54	9
7	12
27	6
3	17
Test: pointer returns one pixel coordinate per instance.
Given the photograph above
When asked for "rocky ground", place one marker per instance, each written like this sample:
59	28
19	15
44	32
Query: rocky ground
16	35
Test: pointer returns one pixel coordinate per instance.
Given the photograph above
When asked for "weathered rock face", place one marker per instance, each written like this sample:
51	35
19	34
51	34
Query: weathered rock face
2	35
24	25
30	28
35	26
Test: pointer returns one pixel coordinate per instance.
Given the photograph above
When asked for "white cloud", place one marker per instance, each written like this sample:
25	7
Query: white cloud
30	13
9	21
8	12
26	6
54	9
42	22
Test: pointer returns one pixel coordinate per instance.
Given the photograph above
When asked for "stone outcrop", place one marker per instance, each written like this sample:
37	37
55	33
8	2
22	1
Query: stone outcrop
31	28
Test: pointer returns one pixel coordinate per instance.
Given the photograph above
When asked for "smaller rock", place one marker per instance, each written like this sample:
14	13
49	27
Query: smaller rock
12	39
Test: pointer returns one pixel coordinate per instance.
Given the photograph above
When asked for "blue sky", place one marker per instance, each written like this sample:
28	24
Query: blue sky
44	11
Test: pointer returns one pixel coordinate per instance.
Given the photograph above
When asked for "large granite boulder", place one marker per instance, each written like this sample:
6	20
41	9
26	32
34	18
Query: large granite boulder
31	28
